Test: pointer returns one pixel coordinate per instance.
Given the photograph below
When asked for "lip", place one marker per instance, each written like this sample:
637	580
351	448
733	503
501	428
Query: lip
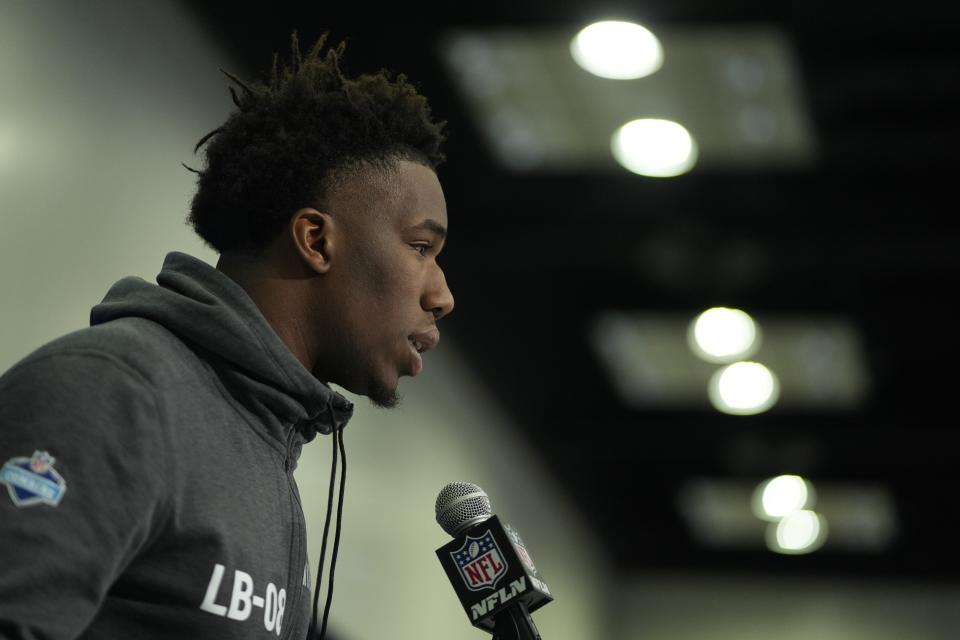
426	340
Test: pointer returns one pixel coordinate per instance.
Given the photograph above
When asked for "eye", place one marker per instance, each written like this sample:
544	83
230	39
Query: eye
421	248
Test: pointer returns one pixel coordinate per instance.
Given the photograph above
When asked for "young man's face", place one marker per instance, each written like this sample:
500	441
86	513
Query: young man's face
390	291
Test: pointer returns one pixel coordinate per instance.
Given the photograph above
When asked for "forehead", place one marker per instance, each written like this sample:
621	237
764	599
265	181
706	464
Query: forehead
405	195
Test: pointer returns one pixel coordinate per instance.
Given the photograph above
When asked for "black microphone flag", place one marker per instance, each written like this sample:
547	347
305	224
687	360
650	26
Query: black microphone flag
491	571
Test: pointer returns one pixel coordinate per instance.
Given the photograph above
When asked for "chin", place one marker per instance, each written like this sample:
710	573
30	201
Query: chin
383	395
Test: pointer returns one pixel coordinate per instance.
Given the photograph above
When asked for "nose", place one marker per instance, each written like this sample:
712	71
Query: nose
437	299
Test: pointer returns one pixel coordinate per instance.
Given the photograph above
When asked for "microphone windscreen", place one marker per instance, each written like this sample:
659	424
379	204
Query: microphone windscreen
461	505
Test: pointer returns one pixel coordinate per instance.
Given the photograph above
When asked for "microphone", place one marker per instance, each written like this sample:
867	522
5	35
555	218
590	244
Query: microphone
488	565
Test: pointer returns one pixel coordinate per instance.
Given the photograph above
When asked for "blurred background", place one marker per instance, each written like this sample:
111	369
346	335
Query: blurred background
705	264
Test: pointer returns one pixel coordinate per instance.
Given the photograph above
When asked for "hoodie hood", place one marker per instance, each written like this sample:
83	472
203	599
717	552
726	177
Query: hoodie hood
210	312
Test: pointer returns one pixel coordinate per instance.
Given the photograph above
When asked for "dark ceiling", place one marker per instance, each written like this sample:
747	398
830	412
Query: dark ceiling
870	232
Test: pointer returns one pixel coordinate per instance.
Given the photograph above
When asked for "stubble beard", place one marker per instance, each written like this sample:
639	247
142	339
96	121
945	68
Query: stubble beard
383	396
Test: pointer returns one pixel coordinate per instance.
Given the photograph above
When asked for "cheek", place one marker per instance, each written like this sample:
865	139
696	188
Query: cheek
386	289
394	283
378	274
380	279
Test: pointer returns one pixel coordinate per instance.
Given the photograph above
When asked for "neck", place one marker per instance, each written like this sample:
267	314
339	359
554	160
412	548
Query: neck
278	291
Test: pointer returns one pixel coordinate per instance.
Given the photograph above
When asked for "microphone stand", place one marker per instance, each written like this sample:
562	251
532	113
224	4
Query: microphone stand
515	623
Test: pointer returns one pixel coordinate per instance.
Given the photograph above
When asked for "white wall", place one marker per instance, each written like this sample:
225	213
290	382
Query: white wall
448	429
100	101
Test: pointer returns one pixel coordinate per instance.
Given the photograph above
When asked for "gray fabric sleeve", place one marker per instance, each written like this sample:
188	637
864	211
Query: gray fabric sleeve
98	418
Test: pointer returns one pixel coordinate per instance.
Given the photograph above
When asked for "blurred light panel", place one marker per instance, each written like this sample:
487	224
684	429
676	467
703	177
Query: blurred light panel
723	335
717	513
743	388
721	513
800	532
736	87
475	58
779	497
819	361
617	50
523	149
654	147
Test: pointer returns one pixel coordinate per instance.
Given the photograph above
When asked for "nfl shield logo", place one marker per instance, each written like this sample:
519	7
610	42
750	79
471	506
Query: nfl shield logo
33	480
480	562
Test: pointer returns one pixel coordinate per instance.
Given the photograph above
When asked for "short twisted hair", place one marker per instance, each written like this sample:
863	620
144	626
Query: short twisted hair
292	139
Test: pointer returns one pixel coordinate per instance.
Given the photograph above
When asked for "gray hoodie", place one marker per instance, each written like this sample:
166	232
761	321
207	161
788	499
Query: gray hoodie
148	465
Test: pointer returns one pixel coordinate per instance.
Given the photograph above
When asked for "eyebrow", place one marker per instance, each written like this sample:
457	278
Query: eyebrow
434	226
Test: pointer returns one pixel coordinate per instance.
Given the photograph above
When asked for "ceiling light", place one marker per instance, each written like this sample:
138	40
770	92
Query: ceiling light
779	497
654	147
723	335
800	532
617	50
743	388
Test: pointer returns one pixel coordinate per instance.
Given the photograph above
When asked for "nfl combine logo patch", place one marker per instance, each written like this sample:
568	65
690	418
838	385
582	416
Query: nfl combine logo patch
33	480
480	562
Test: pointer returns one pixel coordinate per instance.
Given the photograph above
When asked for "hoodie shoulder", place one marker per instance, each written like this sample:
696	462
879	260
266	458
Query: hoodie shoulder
145	347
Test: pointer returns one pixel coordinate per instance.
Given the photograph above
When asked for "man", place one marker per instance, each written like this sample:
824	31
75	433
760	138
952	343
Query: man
148	459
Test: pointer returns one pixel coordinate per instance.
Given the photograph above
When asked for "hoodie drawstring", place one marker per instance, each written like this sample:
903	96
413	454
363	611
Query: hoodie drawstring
337	444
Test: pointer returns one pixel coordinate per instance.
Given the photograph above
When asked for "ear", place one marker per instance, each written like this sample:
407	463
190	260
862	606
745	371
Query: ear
314	238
